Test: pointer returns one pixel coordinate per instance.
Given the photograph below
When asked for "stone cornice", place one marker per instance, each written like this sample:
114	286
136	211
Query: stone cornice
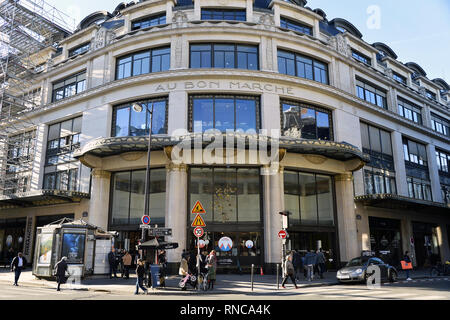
242	28
196	74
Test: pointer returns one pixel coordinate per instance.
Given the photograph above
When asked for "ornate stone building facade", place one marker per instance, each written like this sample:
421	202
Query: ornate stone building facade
363	160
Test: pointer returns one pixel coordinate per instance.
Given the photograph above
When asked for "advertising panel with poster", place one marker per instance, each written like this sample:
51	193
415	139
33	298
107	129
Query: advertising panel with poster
45	248
73	247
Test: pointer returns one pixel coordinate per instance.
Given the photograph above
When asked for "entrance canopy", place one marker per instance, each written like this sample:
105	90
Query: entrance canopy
41	198
392	201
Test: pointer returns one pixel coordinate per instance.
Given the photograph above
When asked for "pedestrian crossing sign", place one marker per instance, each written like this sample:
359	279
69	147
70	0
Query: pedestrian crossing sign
198	221
198	208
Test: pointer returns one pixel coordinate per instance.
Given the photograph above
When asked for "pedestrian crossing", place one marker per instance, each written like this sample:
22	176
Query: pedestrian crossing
17	293
366	294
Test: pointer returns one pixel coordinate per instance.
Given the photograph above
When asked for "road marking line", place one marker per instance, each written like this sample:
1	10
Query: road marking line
430	298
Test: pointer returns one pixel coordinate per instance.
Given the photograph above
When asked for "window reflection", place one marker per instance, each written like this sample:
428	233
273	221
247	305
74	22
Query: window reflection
224	113
309	197
229	195
127	122
152	60
305	122
128	197
224	56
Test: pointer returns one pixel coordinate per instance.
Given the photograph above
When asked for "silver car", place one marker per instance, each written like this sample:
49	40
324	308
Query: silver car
356	270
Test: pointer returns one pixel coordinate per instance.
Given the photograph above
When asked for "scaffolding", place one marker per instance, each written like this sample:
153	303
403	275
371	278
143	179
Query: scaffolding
29	33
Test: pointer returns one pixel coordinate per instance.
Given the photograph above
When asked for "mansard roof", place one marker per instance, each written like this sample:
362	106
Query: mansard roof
386	49
350	28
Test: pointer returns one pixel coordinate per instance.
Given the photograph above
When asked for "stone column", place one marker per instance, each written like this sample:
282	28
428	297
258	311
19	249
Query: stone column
443	242
176	219
249	10
197	10
178	111
399	163
270	111
348	238
99	202
407	233
273	191
434	174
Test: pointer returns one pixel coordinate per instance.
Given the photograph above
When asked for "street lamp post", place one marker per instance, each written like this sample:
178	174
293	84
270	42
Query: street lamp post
138	107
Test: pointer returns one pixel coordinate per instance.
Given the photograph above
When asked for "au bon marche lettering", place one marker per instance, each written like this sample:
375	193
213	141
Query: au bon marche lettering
229	85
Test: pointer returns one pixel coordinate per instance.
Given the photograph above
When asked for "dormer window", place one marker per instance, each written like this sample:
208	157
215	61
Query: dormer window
399	78
295	26
362	58
149	21
80	49
224	14
430	95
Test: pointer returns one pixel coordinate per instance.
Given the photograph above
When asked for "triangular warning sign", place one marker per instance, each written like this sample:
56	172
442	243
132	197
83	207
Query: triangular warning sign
198	208
198	221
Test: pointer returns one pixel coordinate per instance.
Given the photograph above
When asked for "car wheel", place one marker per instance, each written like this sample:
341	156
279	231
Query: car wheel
434	272
393	276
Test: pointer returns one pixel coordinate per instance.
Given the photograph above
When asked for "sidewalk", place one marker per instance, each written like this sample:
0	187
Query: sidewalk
225	284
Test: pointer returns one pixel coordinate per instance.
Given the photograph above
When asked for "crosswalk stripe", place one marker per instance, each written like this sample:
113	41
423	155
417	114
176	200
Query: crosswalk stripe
430	298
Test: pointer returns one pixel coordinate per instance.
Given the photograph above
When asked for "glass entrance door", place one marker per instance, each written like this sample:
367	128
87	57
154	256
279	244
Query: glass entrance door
306	241
246	250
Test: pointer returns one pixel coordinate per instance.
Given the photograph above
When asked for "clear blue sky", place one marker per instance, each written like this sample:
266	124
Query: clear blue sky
417	30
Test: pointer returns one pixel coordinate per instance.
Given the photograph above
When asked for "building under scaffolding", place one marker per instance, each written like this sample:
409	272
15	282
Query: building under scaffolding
29	33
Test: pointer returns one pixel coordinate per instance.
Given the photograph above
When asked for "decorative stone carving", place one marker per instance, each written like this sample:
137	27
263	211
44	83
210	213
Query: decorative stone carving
269	54
102	38
339	43
423	91
389	73
315	159
50	63
179	53
132	156
267	21
176	167
179	18
102	174
344	177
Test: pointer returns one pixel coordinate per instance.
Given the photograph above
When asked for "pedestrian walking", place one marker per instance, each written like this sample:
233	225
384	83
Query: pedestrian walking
17	265
162	259
60	272
310	262
321	262
140	273
298	264
126	260
10	255
184	269
212	266
407	259
112	263
290	272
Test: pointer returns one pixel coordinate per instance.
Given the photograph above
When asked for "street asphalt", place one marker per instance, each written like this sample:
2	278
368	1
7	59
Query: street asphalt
426	289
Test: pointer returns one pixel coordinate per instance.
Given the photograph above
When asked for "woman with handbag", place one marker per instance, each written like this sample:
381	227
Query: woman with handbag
60	272
407	260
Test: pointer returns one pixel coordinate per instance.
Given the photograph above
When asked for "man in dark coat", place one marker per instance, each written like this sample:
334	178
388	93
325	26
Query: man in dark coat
60	272
298	265
112	263
17	265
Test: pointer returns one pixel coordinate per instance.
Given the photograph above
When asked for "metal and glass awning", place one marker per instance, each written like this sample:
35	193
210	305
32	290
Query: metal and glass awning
41	198
106	147
396	202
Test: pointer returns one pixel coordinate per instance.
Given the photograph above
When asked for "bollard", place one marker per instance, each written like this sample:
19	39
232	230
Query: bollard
278	276
252	276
